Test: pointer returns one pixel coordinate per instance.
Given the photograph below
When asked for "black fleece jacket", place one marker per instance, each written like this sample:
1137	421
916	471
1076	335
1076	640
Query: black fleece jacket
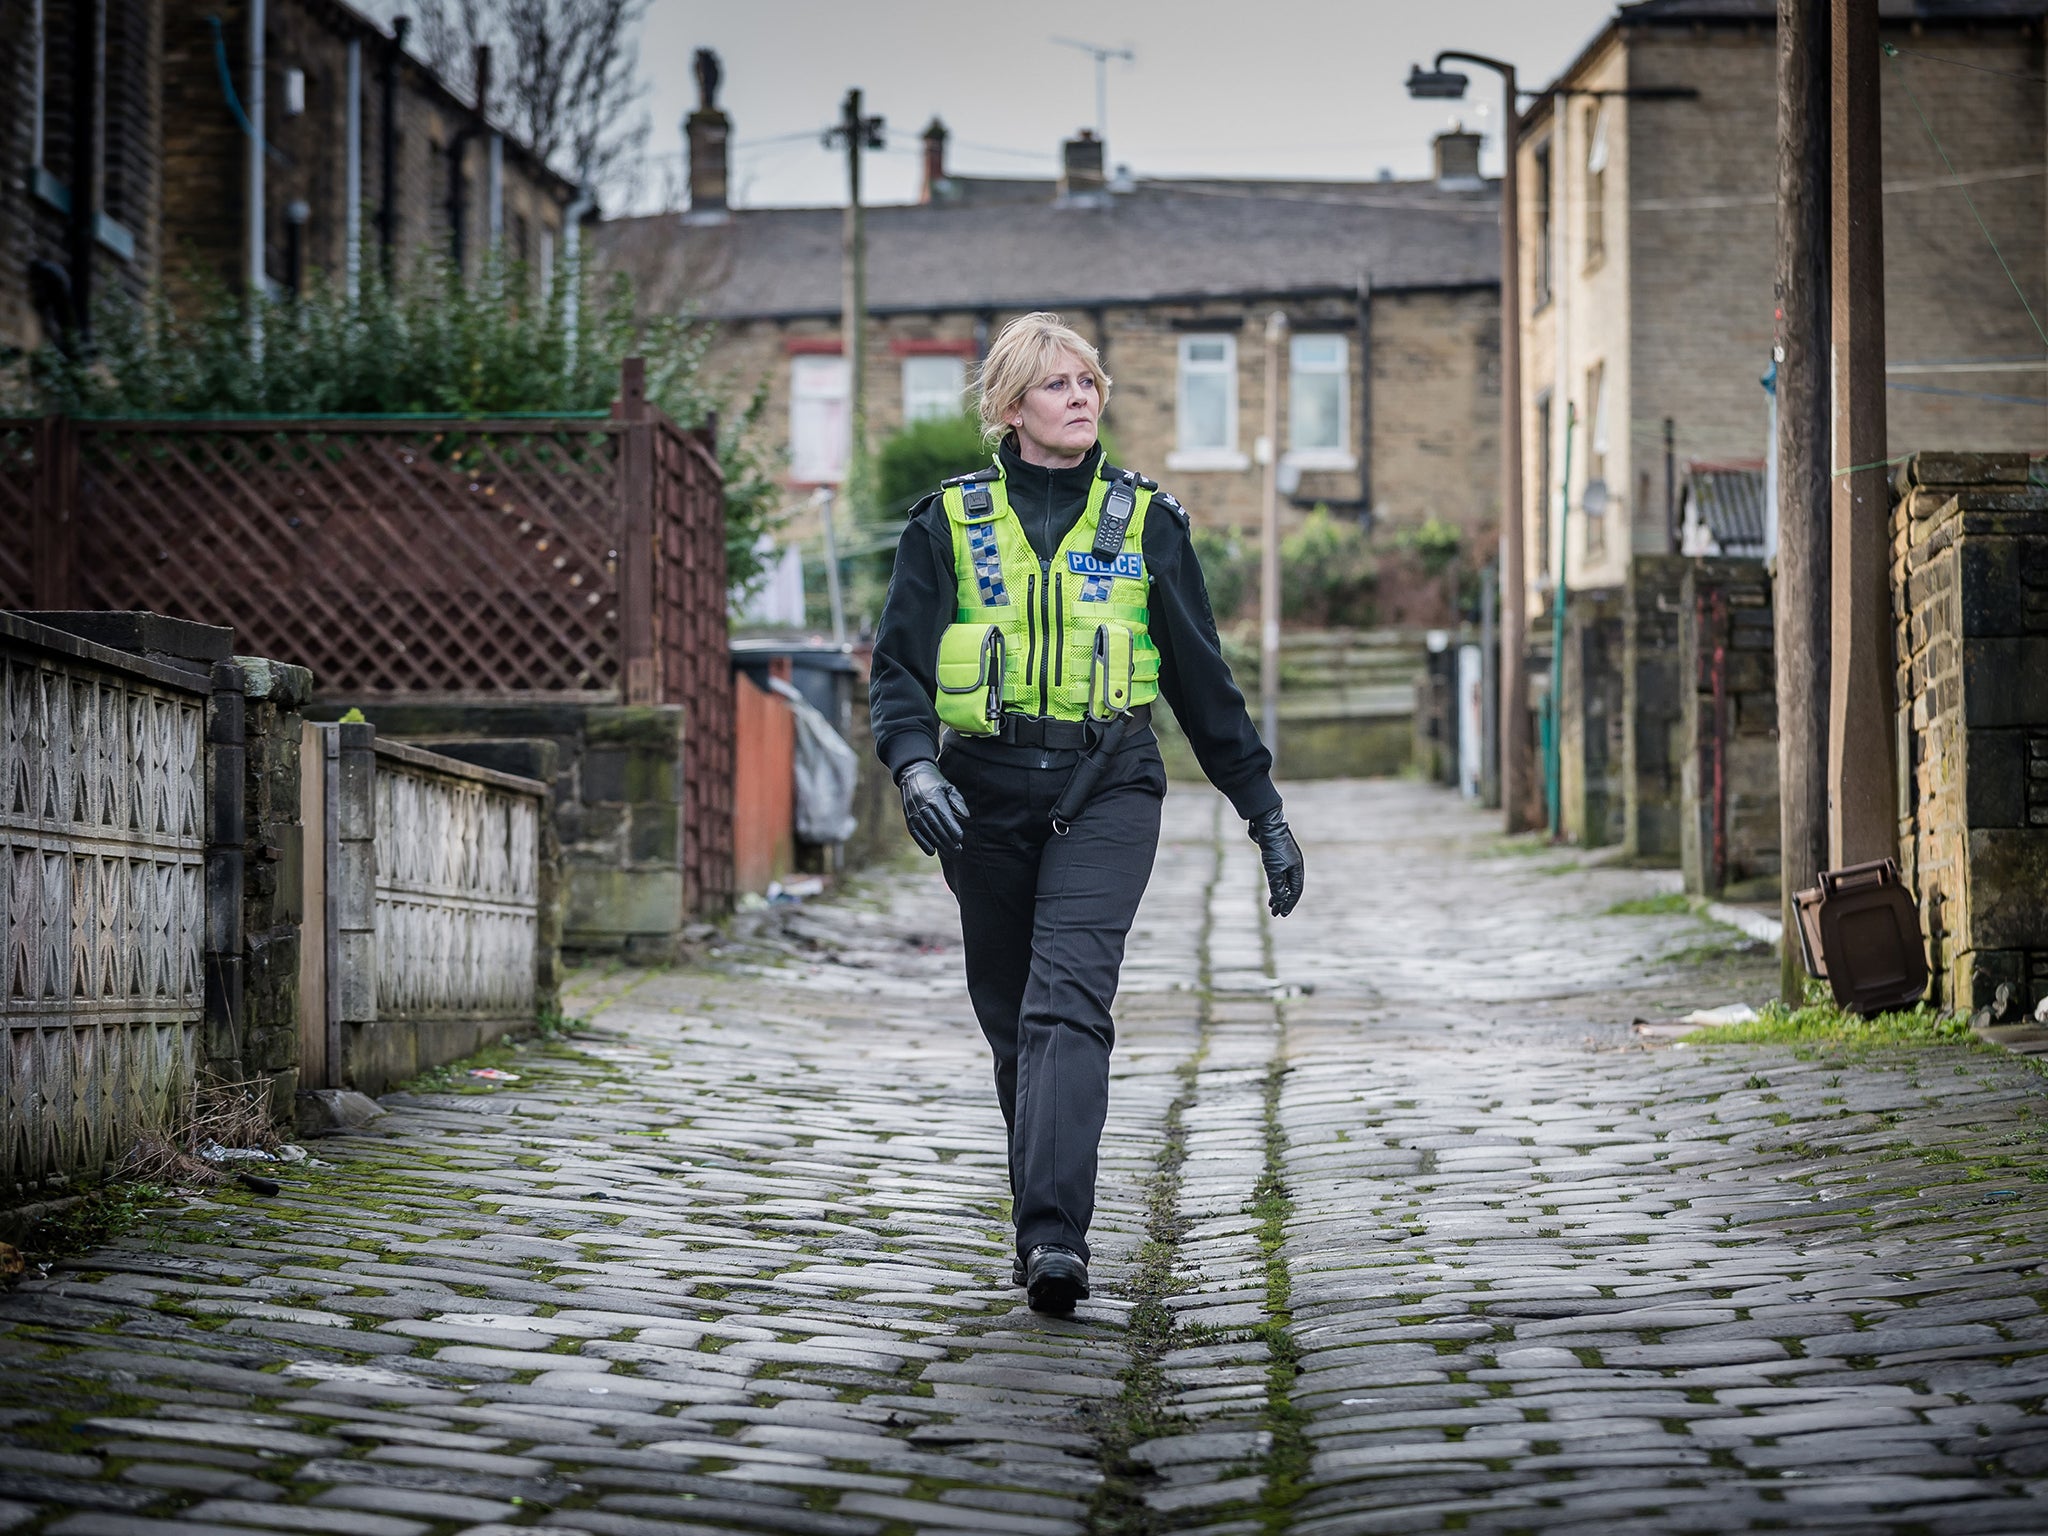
1194	679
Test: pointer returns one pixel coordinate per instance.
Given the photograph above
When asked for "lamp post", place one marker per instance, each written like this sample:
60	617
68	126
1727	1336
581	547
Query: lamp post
1437	83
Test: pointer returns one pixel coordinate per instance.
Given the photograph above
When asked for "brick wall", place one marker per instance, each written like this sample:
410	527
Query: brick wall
1653	705
1970	603
1730	824
130	172
1681	307
204	150
1434	401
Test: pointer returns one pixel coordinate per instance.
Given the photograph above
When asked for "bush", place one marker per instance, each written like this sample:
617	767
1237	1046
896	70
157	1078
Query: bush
913	461
1435	543
1327	573
429	343
1229	566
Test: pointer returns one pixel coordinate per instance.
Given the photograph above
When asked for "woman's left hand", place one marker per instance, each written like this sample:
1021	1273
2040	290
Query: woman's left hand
1281	855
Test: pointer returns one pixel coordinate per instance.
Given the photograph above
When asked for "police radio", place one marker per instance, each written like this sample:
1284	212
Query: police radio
1118	507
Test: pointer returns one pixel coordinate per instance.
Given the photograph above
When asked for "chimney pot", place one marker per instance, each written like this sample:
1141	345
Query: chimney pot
706	132
483	79
1081	167
936	184
1457	159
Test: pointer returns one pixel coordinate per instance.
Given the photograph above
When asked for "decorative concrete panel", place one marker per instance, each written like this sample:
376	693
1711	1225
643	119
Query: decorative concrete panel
102	858
457	907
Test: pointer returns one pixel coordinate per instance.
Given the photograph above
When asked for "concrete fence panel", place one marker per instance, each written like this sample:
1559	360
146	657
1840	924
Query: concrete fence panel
103	849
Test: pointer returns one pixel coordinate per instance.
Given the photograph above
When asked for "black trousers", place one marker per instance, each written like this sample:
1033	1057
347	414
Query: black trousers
1044	918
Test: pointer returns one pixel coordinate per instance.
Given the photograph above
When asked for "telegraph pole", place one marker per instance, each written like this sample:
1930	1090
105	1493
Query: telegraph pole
1800	598
855	133
1862	808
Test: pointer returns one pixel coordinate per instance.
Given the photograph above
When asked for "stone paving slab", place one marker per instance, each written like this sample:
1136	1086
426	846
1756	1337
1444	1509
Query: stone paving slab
1401	1229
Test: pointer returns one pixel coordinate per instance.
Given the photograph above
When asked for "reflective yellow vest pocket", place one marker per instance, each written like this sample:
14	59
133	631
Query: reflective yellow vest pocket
970	678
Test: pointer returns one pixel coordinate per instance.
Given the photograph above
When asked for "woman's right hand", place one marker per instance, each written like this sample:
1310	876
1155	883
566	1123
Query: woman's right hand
932	808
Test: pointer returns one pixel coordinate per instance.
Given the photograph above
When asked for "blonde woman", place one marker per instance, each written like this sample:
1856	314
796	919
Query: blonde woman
1037	609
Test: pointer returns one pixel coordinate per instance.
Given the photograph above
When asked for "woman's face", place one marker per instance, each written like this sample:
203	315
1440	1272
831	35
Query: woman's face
1058	415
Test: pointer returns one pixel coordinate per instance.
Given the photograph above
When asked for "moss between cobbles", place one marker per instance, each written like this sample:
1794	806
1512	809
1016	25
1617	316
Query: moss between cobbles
1142	1410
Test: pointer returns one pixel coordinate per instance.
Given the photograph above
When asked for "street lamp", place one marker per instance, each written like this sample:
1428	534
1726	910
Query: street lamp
1439	84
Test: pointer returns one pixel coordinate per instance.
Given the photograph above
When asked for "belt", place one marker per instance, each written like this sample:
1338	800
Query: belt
1059	735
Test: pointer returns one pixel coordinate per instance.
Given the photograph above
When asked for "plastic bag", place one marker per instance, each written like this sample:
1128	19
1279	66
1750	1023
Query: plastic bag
826	770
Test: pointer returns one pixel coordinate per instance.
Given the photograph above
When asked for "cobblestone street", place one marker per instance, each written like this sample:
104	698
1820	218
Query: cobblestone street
1401	1229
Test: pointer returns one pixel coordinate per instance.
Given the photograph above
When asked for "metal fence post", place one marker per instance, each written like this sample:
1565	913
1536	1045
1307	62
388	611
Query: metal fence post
53	537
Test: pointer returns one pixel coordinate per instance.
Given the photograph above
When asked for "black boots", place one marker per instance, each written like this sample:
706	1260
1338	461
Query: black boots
1054	1279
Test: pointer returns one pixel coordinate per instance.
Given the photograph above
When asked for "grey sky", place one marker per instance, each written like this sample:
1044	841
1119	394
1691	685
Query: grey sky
1247	87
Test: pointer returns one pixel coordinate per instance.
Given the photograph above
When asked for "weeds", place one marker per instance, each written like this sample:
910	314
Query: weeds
1652	906
1822	1021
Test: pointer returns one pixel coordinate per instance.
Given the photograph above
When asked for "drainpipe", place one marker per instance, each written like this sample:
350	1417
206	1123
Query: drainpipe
387	213
494	192
458	153
88	40
572	260
258	118
352	172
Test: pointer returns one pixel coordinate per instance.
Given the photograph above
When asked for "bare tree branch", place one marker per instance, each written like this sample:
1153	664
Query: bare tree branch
565	74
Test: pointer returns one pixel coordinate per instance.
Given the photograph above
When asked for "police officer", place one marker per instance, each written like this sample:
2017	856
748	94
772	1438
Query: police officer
1037	608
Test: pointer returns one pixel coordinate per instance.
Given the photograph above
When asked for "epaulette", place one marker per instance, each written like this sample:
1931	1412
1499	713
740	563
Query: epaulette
981	476
919	505
1165	499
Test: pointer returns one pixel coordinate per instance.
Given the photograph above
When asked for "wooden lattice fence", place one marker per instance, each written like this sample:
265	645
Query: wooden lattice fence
564	559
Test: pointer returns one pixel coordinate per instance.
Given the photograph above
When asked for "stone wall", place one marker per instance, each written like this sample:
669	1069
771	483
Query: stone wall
1653	747
1593	731
273	874
1970	602
1730	827
617	781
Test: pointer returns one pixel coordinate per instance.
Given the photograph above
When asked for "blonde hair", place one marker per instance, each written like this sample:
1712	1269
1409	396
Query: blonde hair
1018	361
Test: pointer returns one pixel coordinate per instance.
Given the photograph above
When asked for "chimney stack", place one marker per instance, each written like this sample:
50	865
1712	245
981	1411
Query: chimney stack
936	184
706	131
1081	178
1457	160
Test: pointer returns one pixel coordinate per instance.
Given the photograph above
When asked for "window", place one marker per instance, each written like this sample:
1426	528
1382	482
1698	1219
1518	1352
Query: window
545	266
1319	402
1206	435
1596	461
1542	487
1596	183
933	386
820	419
1539	269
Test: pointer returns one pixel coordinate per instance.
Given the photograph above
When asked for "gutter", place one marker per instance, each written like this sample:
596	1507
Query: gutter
1133	301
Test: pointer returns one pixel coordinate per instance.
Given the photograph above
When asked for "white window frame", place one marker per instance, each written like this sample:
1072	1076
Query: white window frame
1226	455
1339	457
919	404
804	467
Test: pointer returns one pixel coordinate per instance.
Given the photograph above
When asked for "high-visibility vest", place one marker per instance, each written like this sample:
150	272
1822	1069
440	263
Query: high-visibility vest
1064	637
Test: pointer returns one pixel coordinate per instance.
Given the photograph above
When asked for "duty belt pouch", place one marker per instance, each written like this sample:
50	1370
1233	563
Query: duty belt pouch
1110	672
970	678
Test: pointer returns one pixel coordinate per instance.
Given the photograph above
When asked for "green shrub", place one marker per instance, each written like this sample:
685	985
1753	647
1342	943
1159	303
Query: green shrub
428	343
913	461
1230	567
1327	572
1435	543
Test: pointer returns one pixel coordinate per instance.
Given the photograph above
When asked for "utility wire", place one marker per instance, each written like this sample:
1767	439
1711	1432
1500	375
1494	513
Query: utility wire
1891	52
1982	69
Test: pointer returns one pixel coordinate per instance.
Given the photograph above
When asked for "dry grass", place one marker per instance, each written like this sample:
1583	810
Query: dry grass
216	1111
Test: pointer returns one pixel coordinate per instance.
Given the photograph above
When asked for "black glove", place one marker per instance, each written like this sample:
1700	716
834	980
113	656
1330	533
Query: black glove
1281	855
932	808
